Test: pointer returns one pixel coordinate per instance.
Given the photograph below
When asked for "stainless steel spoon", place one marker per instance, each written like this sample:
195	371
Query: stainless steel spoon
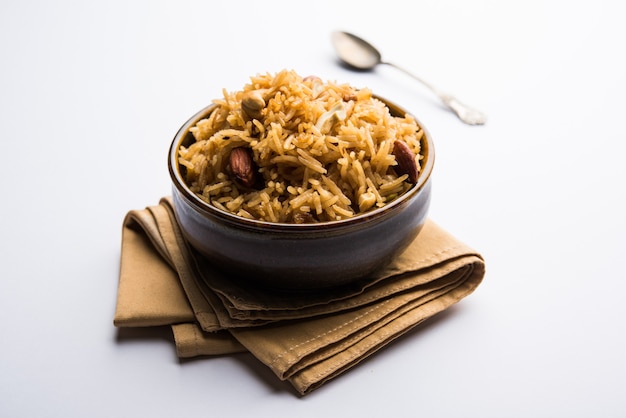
361	55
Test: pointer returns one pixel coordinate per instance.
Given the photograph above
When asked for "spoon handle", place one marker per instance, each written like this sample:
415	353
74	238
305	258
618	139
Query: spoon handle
465	113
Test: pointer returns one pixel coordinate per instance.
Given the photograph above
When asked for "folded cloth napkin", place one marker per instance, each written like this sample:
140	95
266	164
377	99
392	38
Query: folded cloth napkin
306	338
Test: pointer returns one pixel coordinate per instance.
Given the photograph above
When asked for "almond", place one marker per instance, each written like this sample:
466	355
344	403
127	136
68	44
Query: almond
242	166
406	160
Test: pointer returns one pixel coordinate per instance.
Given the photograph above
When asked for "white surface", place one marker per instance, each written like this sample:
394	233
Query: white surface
91	94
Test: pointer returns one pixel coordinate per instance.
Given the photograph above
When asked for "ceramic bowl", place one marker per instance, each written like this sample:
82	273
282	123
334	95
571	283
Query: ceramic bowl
300	256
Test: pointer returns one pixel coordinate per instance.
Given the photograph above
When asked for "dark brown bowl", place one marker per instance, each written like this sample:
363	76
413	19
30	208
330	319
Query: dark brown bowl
300	256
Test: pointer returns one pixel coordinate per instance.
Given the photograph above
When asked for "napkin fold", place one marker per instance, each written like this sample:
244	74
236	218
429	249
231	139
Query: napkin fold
306	338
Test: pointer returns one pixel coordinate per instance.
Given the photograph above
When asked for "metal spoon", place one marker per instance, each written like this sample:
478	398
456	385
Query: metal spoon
361	55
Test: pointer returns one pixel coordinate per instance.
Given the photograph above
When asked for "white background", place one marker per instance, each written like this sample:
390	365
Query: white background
91	94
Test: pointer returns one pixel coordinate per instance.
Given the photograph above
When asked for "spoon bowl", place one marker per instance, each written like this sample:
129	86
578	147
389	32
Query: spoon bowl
355	52
358	54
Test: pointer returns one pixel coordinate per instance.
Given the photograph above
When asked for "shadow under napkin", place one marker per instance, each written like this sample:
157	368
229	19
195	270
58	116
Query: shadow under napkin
306	339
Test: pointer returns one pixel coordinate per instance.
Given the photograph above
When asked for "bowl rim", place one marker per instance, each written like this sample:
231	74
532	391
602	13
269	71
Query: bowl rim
205	208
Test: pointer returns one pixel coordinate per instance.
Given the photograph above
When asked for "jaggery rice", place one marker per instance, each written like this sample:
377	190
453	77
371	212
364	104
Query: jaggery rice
322	150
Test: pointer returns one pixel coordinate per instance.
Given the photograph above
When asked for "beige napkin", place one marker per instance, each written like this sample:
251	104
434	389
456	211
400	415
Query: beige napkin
306	338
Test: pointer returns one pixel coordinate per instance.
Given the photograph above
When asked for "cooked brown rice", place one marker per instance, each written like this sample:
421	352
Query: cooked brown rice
323	151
